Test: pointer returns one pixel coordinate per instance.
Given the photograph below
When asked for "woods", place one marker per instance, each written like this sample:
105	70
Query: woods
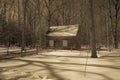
24	23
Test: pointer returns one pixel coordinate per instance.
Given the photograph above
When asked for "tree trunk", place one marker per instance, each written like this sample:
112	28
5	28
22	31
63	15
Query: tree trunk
115	39
117	8
111	24
116	32
92	31
23	29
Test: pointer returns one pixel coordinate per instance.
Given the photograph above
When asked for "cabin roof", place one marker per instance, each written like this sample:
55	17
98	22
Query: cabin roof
60	31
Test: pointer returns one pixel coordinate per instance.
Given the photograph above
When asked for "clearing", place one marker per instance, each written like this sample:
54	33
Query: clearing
62	65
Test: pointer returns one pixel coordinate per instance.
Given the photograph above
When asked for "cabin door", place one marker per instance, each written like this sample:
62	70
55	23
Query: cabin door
58	44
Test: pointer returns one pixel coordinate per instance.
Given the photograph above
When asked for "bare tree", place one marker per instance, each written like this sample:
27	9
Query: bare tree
117	9
23	29
92	31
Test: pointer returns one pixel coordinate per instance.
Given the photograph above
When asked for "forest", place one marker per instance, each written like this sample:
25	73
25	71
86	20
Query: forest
59	39
24	23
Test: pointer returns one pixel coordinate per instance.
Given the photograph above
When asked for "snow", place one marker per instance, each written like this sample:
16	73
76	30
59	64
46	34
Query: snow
63	65
69	30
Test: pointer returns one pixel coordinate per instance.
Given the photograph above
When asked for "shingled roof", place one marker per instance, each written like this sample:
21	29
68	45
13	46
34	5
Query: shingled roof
69	30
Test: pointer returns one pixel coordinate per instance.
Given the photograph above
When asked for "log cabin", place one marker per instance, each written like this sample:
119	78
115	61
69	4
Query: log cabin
62	37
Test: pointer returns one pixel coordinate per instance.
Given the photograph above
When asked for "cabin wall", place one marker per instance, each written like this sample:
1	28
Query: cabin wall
61	42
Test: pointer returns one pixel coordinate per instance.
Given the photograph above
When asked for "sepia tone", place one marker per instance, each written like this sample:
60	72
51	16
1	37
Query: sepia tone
59	39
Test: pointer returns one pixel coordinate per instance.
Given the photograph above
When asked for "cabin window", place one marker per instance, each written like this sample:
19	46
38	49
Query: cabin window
65	43
51	43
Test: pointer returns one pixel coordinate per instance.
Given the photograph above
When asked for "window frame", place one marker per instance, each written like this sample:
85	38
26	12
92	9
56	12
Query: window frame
65	43
51	43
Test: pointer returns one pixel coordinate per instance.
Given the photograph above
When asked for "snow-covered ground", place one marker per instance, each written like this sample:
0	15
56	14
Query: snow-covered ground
63	65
